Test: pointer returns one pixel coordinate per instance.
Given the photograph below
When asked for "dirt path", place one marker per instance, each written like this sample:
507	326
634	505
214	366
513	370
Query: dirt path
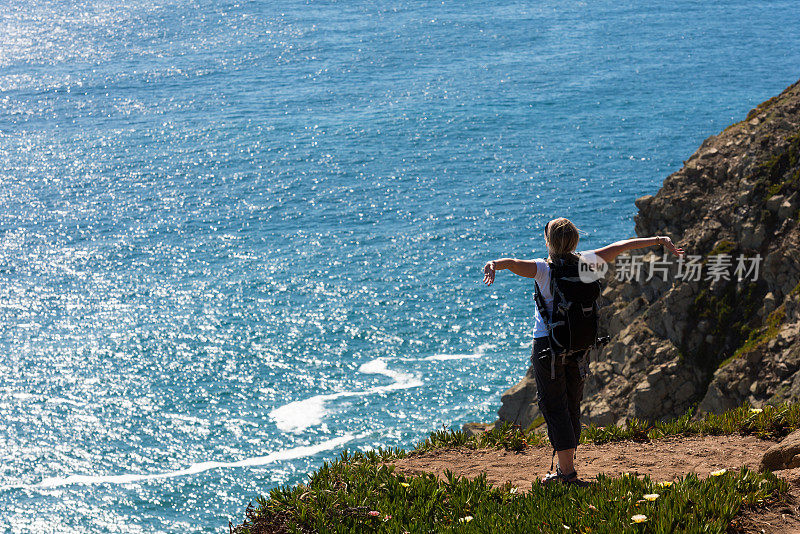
664	459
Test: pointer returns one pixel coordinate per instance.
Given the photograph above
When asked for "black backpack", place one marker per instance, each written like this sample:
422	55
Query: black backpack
573	326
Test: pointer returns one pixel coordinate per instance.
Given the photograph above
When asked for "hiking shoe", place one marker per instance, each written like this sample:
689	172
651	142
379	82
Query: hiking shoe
559	476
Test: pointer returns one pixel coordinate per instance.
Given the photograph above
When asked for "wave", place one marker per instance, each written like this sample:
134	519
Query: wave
479	352
298	415
288	454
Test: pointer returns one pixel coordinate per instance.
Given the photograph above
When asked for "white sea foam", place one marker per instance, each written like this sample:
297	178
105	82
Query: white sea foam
287	454
401	380
299	415
62	400
479	352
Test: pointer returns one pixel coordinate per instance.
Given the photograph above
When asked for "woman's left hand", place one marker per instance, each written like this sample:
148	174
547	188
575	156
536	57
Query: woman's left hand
667	242
488	273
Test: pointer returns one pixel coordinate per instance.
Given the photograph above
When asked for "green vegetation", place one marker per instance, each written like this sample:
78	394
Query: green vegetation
354	495
762	335
729	312
795	290
781	173
723	247
360	493
732	313
772	422
503	435
761	107
539	421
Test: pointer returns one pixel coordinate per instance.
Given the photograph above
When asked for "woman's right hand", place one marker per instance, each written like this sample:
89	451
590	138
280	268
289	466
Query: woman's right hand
488	273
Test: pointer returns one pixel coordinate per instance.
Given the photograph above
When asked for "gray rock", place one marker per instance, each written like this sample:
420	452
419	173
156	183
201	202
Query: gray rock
599	413
783	455
519	402
774	203
655	376
752	237
644	202
743	198
786	210
685	392
476	429
769	305
723	391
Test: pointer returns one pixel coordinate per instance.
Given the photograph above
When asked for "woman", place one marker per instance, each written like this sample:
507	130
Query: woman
559	398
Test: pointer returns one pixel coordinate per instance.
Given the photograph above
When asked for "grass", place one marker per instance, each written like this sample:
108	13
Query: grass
539	421
504	435
772	422
358	492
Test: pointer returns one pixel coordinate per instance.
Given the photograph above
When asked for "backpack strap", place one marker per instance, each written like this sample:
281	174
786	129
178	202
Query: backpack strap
539	300
548	320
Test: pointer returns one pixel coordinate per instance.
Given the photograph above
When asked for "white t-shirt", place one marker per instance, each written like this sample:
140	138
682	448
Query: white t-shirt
543	279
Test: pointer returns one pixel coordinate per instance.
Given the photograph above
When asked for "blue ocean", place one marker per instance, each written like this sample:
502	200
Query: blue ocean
238	237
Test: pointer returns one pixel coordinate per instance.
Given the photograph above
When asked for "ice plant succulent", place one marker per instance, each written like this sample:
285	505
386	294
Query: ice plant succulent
366	479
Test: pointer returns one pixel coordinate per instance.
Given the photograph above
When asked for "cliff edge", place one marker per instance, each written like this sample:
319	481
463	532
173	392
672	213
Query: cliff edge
719	340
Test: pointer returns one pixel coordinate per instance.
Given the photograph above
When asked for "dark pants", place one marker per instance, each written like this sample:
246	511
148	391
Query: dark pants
559	399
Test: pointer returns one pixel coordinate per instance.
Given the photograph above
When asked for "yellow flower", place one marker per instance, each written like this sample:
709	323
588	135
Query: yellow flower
465	519
756	410
665	484
405	484
718	473
639	518
651	496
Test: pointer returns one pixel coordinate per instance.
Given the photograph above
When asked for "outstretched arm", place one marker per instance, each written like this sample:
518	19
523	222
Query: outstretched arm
526	268
610	252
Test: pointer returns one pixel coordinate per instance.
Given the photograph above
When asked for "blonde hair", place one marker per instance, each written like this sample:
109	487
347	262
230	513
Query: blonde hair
562	238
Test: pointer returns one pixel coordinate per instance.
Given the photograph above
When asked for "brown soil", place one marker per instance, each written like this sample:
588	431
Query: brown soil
665	459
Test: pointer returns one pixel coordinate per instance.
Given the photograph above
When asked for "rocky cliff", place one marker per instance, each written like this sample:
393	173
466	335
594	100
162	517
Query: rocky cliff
711	342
